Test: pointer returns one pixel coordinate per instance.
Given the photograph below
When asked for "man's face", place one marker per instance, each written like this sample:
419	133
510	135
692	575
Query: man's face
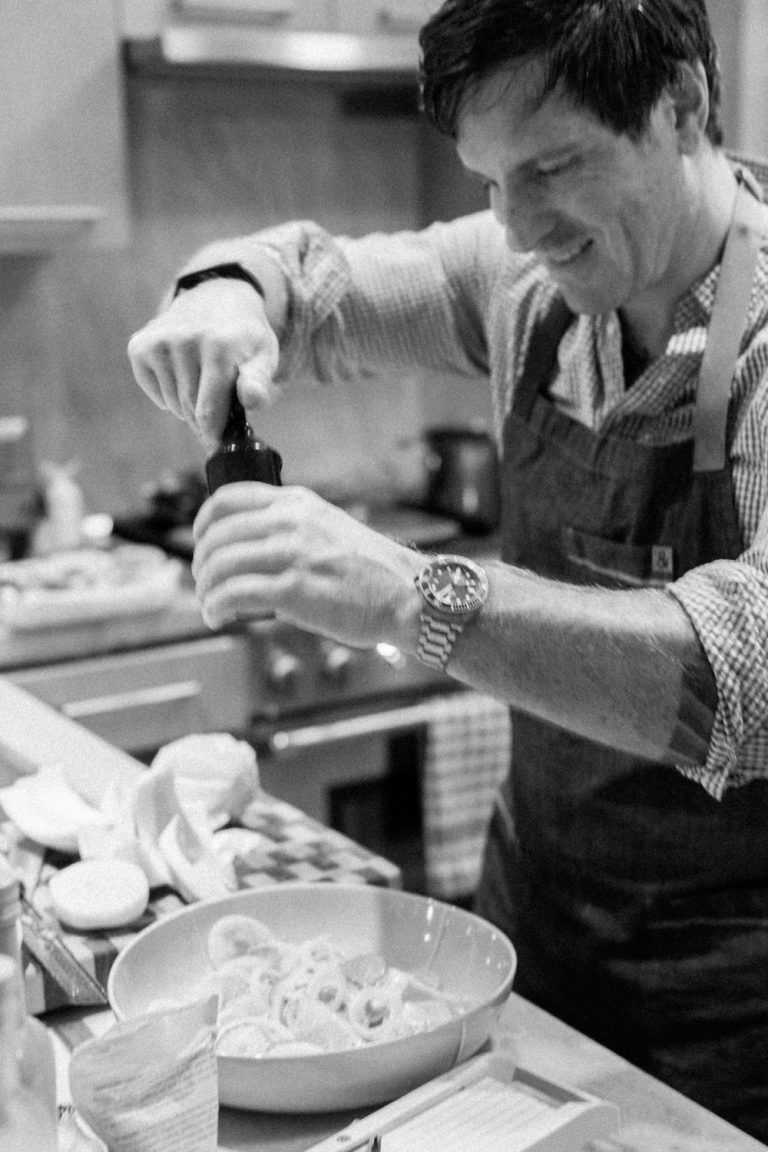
601	210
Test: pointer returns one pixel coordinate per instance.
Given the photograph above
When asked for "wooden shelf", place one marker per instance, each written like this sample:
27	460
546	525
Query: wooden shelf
44	228
204	49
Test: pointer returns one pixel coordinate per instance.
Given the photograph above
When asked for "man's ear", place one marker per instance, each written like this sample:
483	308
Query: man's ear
690	99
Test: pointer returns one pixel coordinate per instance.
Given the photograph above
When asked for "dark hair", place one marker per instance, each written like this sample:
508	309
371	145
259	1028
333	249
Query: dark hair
614	57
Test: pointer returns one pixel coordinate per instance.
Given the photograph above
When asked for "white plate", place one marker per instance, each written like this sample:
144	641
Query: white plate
85	585
468	955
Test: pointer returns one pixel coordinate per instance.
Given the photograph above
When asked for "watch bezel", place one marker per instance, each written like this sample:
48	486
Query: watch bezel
470	604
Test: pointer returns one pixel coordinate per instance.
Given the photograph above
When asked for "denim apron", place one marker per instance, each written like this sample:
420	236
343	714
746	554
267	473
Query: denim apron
638	905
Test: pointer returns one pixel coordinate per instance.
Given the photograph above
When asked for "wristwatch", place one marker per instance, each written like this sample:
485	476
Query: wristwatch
453	589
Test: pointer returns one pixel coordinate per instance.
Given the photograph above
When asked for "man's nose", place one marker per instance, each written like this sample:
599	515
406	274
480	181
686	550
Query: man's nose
524	218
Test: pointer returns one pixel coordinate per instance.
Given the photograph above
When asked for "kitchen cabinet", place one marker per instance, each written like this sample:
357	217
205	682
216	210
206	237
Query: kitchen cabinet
287	15
389	27
62	162
140	700
386	18
351	41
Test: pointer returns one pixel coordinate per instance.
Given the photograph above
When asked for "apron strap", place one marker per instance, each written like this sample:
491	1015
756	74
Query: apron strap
726	329
540	359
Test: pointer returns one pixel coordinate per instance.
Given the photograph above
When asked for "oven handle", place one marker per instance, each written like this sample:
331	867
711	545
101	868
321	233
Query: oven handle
158	696
353	727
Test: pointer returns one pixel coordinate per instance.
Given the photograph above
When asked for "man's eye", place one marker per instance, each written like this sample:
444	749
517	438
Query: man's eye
555	167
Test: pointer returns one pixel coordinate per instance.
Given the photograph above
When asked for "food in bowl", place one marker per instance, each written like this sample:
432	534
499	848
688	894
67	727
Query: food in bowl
278	998
469	961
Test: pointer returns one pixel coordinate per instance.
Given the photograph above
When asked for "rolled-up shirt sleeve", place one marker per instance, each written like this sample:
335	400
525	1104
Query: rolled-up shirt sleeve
415	298
727	602
452	298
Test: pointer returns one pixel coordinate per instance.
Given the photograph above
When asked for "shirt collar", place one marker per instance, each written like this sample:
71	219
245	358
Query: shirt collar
695	305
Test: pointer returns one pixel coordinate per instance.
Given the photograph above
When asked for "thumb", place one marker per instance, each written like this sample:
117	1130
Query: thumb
256	386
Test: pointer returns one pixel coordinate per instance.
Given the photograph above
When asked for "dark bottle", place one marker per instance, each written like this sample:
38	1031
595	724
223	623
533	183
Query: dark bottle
240	456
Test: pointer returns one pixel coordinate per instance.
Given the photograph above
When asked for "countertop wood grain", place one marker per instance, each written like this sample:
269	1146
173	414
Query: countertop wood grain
654	1118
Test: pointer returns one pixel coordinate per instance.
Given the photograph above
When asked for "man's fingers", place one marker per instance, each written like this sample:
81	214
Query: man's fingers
147	381
218	376
165	373
208	342
142	364
186	372
255	384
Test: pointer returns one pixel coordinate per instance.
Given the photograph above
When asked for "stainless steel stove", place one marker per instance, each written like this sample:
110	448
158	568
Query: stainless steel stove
325	718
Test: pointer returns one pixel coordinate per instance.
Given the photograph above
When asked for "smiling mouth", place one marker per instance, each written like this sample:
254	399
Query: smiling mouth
566	257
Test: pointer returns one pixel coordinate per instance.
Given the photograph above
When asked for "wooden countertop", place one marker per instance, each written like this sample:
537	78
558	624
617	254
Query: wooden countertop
654	1118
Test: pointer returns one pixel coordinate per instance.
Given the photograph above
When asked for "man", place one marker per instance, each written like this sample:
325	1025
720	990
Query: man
627	624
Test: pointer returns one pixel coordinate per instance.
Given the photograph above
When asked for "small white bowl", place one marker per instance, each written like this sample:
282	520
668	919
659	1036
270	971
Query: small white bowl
468	956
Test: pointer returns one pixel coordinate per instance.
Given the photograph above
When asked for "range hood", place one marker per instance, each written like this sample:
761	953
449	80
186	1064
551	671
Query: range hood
303	53
260	36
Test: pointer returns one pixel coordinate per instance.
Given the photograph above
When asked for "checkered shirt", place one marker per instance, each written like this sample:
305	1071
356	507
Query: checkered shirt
453	299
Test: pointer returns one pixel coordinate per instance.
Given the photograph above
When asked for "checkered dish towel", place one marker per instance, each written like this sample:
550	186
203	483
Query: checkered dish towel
466	757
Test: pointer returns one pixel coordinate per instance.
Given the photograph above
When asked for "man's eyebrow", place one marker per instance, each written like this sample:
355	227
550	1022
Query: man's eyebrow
571	148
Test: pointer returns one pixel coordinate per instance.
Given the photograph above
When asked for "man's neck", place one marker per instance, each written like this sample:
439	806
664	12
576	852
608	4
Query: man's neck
648	321
634	359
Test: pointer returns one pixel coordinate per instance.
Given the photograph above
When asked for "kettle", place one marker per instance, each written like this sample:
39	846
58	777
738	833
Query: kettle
463	477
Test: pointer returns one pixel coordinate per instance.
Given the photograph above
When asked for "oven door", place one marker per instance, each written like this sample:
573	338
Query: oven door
381	723
306	757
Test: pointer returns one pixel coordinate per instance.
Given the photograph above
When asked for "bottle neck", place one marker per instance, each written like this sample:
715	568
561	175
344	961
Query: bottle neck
240	456
27	1071
237	429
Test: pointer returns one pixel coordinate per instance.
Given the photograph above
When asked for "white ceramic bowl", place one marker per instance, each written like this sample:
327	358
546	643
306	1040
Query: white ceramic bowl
468	955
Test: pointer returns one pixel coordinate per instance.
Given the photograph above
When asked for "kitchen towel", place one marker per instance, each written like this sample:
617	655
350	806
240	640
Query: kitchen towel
466	757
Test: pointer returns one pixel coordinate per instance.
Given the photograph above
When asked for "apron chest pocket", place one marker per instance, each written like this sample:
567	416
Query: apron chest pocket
610	562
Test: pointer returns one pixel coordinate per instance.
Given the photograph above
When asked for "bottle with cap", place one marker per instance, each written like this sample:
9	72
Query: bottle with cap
28	1113
25	1124
240	455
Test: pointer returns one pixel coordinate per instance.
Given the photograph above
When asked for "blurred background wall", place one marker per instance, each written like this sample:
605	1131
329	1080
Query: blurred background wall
215	157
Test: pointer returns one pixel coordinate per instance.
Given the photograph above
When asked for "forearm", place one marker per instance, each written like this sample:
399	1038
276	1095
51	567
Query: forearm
622	668
260	262
342	305
625	669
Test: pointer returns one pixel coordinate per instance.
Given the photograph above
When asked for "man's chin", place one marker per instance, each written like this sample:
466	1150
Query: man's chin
586	300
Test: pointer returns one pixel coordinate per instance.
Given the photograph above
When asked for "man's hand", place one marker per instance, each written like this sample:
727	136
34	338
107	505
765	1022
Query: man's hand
212	338
261	549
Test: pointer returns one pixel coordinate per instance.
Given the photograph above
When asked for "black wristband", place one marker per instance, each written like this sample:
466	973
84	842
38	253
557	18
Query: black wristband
218	272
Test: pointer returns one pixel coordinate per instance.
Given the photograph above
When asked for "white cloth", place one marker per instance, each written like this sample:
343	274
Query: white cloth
165	822
467	755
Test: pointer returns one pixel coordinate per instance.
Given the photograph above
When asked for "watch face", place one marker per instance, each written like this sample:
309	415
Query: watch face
453	584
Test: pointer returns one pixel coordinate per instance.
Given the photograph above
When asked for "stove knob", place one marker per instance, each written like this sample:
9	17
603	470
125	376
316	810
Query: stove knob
336	661
283	670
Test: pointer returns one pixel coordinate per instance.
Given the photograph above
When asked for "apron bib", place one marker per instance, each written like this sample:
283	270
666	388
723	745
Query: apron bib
638	904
